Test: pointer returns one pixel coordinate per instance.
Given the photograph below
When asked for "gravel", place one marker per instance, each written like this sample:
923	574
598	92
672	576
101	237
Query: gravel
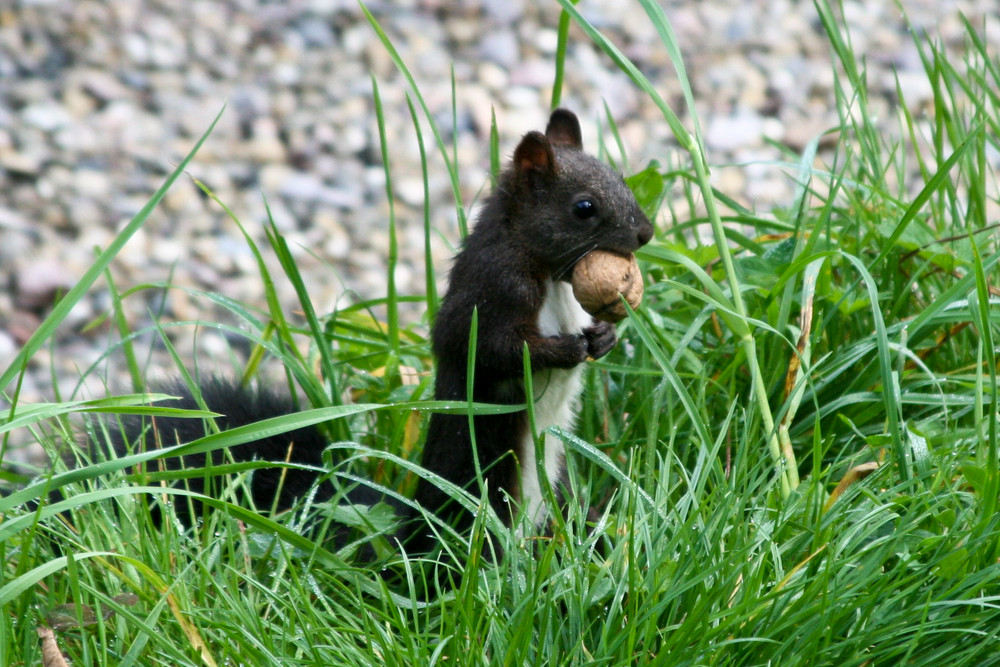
100	99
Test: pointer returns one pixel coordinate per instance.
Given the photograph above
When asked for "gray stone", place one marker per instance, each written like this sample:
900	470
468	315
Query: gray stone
37	283
46	116
742	129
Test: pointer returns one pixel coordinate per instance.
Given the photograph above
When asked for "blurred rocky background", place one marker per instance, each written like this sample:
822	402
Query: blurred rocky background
100	99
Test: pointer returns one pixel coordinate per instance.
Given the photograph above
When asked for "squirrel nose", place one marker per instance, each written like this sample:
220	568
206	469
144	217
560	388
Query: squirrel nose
645	232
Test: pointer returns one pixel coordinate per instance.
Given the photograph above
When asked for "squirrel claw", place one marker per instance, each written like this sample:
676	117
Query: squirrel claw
601	339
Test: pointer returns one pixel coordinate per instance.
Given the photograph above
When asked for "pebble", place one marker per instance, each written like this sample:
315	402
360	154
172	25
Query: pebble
265	146
411	191
21	164
500	48
37	283
8	349
744	128
46	116
13	220
337	242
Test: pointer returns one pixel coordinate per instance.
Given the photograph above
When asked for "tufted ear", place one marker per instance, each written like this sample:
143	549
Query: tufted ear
534	156
564	129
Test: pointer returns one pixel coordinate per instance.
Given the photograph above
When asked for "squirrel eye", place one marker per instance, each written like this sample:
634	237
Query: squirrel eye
585	208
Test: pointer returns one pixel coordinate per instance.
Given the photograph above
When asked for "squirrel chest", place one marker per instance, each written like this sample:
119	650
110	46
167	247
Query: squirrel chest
556	399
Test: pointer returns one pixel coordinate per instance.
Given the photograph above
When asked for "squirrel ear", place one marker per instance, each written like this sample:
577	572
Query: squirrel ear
534	154
564	129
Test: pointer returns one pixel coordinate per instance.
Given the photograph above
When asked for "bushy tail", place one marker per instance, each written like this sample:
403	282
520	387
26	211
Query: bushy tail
278	487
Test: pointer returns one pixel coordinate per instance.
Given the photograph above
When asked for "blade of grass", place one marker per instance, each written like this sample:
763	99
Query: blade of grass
392	259
450	163
430	283
694	145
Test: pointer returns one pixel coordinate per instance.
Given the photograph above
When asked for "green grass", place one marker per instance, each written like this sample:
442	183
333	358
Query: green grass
855	324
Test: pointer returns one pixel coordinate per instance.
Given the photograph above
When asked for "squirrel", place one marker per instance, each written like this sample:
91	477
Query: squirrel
552	205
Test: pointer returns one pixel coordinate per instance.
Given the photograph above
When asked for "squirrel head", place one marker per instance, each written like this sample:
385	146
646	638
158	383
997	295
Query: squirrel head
564	203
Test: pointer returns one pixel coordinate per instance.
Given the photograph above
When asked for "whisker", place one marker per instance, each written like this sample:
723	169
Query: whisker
578	254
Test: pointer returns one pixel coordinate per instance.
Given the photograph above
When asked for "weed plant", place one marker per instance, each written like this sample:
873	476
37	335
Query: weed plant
793	451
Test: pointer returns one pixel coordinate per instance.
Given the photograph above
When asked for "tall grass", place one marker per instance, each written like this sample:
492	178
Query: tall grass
793	452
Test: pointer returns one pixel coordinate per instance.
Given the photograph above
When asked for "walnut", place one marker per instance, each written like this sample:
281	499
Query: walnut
599	277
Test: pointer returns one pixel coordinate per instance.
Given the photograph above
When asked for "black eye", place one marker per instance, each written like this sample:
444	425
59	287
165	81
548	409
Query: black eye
584	209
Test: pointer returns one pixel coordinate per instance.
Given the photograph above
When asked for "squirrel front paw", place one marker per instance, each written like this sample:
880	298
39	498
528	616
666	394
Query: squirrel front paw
601	338
568	350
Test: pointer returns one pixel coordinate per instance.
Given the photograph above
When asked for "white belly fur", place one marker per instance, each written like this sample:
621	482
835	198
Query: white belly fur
556	399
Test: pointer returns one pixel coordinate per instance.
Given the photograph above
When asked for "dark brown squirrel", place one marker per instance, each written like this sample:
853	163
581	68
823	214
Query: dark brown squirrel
552	205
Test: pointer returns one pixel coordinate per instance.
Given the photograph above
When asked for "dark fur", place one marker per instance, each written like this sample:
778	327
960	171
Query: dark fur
526	234
532	229
277	487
